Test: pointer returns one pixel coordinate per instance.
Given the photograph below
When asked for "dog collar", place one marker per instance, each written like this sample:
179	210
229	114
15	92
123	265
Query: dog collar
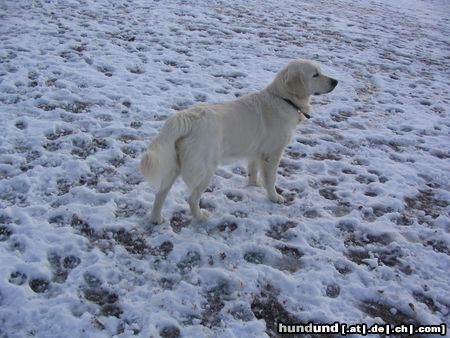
298	109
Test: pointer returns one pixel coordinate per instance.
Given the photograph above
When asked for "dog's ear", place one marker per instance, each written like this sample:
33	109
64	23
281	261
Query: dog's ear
294	82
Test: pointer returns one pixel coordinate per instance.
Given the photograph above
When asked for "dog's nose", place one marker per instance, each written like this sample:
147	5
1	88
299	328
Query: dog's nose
334	82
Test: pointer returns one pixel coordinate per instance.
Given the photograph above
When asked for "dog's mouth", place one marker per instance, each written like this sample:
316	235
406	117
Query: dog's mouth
328	91
333	84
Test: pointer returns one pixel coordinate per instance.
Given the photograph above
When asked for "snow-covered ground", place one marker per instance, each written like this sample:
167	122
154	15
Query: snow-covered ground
363	238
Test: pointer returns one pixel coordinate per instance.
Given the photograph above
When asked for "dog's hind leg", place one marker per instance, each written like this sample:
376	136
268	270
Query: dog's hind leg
269	173
252	169
194	200
160	197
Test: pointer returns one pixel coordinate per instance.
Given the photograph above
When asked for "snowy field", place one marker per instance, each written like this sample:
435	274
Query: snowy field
364	236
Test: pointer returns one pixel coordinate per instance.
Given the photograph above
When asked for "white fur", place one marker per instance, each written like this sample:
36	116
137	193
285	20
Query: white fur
256	127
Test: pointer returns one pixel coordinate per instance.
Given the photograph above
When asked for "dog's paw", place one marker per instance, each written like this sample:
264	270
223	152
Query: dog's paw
254	183
157	219
277	198
202	216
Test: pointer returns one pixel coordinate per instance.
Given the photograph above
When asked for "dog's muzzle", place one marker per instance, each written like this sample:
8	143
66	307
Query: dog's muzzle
334	82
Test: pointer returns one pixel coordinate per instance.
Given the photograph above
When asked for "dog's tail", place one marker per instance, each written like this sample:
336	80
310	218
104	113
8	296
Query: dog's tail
160	158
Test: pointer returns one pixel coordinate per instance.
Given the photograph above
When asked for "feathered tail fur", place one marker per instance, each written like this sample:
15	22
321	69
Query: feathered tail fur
160	158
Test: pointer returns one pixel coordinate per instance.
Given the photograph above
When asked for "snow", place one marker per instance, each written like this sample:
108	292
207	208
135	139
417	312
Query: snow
364	234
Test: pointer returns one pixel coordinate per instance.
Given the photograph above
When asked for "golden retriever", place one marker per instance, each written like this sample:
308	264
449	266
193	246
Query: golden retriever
256	127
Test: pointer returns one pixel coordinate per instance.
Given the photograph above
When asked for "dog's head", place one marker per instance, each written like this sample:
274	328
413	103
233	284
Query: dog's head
302	78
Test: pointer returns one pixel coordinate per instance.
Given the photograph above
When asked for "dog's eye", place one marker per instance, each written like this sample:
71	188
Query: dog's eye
316	75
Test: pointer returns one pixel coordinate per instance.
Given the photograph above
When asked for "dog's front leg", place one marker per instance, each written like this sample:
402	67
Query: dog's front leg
269	172
252	170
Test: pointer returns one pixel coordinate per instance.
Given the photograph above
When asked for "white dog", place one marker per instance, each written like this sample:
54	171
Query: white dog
256	127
